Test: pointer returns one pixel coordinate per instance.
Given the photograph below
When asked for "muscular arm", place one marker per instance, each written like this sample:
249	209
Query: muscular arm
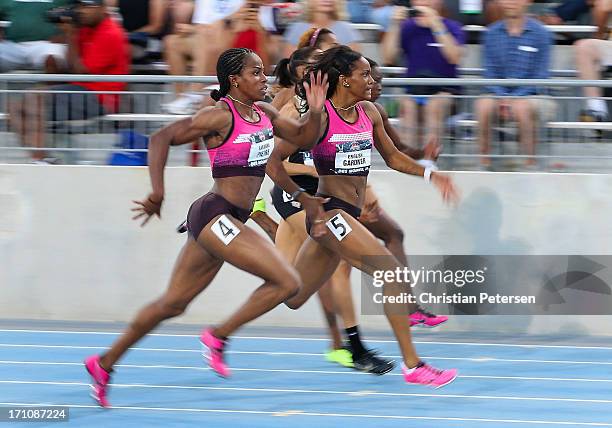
207	120
299	169
393	157
303	133
275	168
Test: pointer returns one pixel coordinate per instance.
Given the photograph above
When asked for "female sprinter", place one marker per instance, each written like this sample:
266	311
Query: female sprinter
342	158
215	221
291	234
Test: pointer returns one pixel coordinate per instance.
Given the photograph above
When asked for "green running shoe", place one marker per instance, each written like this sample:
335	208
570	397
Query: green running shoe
259	205
343	356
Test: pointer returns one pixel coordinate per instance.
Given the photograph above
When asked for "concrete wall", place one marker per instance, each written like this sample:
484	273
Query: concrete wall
70	251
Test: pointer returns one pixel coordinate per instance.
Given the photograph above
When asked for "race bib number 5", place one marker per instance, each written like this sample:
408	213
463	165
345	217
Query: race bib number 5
353	157
225	230
339	227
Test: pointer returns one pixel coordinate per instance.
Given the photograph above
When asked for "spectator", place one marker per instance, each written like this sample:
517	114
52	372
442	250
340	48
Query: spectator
249	33
591	56
432	47
373	11
567	11
145	21
517	47
31	41
212	35
320	38
212	21
323	14
179	46
483	12
242	29
96	45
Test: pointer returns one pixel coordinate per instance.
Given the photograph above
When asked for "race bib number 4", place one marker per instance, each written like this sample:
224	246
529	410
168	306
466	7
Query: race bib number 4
339	227
262	144
225	229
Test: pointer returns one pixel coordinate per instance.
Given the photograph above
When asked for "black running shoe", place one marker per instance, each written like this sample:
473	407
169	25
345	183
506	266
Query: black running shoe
370	363
347	346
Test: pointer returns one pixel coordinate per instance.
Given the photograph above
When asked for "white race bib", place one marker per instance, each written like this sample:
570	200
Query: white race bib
359	160
262	144
339	227
224	229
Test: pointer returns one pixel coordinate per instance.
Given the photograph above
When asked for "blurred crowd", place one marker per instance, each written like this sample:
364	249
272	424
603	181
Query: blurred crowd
107	37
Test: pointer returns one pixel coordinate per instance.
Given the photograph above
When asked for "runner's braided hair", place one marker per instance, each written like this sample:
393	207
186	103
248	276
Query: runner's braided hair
229	63
286	69
334	62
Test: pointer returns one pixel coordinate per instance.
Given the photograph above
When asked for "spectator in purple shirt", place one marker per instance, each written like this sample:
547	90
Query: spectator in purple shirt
432	47
517	47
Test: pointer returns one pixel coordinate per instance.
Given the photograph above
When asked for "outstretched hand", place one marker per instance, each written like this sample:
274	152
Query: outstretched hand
446	187
147	208
313	206
316	91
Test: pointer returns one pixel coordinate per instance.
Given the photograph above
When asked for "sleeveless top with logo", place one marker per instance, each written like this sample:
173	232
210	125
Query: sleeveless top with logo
247	148
345	148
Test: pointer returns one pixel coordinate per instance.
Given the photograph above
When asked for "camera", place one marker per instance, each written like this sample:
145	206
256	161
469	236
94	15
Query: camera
403	3
413	13
57	15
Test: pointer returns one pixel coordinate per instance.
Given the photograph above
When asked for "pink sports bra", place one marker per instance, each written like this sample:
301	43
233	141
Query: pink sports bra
345	148
247	148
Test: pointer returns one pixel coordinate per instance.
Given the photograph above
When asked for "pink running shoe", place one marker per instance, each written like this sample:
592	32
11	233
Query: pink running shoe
425	374
100	378
213	352
426	319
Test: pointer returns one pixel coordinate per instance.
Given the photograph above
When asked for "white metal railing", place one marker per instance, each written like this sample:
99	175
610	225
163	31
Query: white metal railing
392	81
92	138
576	29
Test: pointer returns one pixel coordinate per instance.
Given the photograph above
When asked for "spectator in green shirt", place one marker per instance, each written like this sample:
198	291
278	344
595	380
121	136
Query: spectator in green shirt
30	41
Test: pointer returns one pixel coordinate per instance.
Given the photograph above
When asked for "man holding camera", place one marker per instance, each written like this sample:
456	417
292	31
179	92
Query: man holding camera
432	47
29	39
96	45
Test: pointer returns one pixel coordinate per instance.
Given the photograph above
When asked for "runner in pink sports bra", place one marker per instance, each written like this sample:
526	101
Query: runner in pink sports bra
215	221
246	149
342	155
346	148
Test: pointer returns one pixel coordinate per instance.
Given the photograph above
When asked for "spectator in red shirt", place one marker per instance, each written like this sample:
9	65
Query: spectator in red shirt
96	45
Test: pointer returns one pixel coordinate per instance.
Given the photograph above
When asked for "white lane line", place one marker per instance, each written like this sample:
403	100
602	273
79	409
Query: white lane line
472	359
346	372
518	345
315	391
320	414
